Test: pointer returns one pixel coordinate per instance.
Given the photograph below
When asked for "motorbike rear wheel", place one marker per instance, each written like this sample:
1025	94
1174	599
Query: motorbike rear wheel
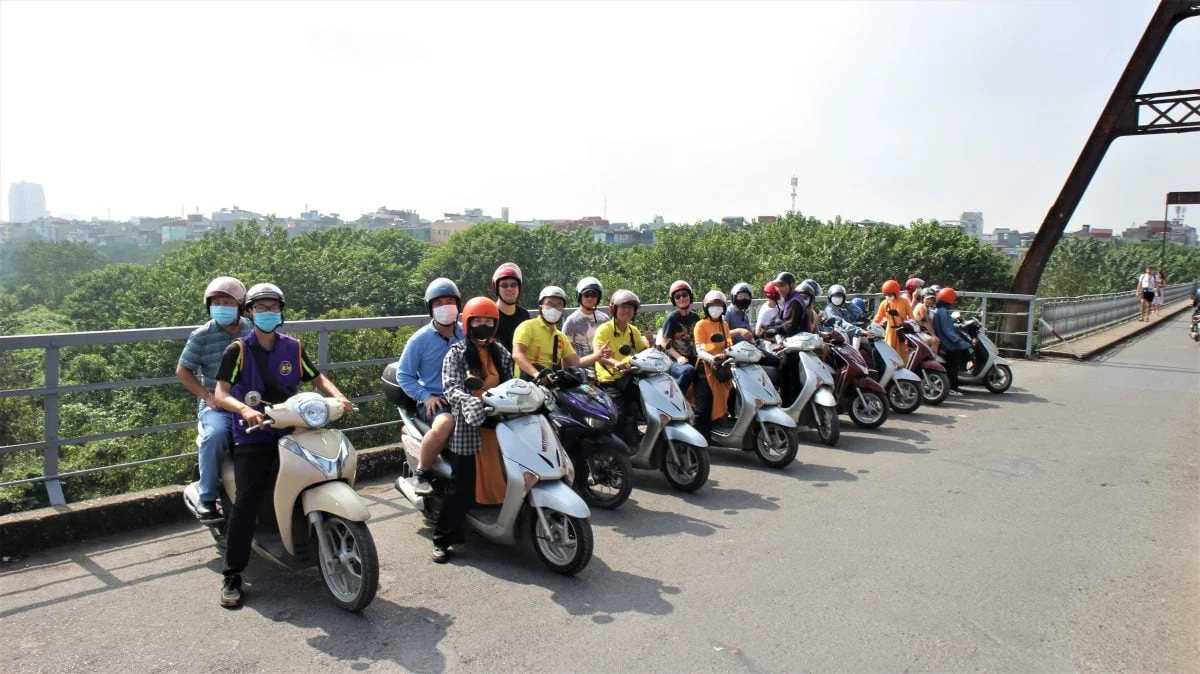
829	426
777	447
567	548
935	387
904	396
689	470
351	569
870	414
604	478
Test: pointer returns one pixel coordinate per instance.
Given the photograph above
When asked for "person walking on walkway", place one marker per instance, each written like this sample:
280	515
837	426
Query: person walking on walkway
1147	288
1160	283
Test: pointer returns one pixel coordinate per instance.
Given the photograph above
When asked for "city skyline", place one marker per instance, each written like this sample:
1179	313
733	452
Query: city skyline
884	111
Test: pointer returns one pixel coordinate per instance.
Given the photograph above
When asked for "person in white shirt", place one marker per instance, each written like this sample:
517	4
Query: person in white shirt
1147	288
769	311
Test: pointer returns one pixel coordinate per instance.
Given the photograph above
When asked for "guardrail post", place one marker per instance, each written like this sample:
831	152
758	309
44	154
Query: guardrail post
322	349
50	430
1029	328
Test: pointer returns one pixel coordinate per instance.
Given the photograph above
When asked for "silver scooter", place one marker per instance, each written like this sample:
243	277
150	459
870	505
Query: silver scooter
994	372
538	502
903	386
815	406
759	425
670	443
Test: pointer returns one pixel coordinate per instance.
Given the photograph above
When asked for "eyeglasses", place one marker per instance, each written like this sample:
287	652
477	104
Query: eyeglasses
680	295
590	293
274	306
507	285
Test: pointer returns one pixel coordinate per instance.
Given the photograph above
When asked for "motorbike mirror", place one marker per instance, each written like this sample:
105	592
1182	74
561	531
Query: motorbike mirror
717	338
474	383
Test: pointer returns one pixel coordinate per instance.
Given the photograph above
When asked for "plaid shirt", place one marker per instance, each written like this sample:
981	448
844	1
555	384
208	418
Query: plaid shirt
466	408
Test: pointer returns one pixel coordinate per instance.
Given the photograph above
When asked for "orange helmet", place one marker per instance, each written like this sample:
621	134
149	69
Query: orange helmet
480	307
890	287
947	295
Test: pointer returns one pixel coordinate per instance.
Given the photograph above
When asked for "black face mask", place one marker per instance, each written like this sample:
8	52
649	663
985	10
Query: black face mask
625	350
482	332
742	304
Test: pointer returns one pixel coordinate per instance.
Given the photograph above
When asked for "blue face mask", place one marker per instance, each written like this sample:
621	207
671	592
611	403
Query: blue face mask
223	315
267	321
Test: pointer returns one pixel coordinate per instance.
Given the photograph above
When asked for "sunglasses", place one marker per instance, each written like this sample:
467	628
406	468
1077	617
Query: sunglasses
680	295
590	293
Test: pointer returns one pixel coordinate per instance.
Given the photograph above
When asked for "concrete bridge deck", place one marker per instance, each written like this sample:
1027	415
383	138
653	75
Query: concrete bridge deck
1055	527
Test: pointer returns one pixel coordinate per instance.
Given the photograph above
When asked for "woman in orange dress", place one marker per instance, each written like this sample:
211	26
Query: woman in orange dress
712	335
892	313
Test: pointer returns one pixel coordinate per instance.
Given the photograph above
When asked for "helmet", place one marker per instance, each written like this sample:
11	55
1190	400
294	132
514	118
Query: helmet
225	285
836	289
506	270
676	287
785	277
769	291
713	297
740	288
926	293
860	303
479	307
935	287
441	287
623	297
588	282
552	291
947	295
913	283
890	287
810	286
264	291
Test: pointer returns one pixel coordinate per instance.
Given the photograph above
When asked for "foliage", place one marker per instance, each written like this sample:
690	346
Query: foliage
1085	266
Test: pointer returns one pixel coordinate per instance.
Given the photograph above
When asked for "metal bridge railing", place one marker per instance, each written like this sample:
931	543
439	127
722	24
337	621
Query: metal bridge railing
1074	316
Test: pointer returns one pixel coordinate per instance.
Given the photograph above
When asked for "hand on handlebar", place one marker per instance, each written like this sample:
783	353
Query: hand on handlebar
348	407
252	418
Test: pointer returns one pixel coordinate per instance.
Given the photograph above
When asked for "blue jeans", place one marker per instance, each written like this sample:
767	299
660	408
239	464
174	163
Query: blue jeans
212	439
684	375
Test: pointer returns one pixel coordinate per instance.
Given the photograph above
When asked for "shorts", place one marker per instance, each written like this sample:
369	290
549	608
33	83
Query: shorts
1147	295
424	416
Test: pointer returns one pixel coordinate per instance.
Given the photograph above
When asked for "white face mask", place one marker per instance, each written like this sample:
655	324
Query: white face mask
837	301
551	314
715	311
445	314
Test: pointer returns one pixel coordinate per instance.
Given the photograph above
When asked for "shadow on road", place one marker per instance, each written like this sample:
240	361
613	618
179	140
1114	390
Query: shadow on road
633	521
801	470
870	442
713	497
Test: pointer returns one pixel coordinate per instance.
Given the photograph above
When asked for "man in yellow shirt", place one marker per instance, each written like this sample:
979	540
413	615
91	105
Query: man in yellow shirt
540	347
620	338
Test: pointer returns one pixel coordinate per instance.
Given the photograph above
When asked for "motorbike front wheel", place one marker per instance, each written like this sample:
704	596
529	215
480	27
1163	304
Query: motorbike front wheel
777	447
829	427
935	387
904	395
686	466
567	547
605	478
869	412
351	568
998	379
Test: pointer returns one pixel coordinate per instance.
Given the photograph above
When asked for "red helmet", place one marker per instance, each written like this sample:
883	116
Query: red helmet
913	284
621	298
506	270
480	307
947	295
890	287
770	292
676	287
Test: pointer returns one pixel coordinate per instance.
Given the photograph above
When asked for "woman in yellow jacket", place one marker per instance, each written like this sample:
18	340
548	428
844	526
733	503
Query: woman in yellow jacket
893	302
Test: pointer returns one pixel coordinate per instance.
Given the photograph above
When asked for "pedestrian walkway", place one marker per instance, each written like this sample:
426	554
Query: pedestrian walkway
1093	344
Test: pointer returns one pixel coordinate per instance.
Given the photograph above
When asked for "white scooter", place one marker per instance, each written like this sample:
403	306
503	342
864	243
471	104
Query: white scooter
993	372
815	406
313	503
538	502
670	443
903	386
759	425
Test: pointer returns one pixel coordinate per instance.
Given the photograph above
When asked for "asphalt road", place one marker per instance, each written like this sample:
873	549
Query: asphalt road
1055	527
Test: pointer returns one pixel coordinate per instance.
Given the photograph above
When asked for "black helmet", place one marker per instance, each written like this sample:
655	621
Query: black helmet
441	287
786	277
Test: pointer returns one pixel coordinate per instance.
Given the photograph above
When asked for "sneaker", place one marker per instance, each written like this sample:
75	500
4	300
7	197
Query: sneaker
207	511
957	394
441	555
423	486
231	592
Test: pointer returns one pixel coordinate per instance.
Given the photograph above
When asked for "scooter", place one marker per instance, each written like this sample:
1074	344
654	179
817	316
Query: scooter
313	503
903	386
935	383
857	394
759	424
670	443
1194	331
986	366
815	405
584	417
538	502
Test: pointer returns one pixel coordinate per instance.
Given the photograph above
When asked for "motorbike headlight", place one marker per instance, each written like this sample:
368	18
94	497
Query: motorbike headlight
314	412
330	468
597	422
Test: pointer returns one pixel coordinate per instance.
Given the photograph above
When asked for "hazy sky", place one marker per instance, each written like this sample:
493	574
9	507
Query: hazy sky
885	110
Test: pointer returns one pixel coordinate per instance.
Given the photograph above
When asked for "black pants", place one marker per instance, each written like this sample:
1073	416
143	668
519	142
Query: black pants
627	400
954	362
703	407
790	379
458	501
254	469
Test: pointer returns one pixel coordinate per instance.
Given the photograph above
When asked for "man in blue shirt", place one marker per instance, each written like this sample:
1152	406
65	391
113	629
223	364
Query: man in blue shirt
954	347
420	373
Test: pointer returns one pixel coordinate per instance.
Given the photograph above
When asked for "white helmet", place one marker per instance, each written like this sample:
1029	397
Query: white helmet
837	289
588	283
552	291
714	296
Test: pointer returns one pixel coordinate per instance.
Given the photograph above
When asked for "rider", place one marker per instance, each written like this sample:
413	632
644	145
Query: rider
923	314
580	327
481	356
845	314
793	314
892	313
810	290
677	335
912	290
506	283
262	368
223	299
539	347
712	339
954	347
419	372
769	313
860	304
622	340
738	315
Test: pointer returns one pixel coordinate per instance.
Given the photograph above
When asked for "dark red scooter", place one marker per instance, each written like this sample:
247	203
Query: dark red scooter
935	382
857	393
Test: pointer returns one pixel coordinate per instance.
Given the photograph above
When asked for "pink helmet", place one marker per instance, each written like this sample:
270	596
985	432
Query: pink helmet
506	270
913	284
225	285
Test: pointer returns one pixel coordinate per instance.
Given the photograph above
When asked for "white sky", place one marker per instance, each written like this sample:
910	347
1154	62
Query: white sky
885	110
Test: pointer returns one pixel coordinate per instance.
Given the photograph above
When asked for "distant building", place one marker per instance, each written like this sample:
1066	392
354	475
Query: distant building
471	215
504	213
228	217
1089	232
734	221
1007	238
441	231
764	219
386	217
1153	230
627	237
26	202
972	223
174	231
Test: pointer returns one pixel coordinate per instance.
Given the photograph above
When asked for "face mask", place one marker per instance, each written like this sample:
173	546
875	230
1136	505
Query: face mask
445	314
714	312
551	314
742	304
223	315
268	321
837	301
482	333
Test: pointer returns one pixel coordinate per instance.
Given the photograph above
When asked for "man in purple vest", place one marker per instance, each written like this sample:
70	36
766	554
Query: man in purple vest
260	369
